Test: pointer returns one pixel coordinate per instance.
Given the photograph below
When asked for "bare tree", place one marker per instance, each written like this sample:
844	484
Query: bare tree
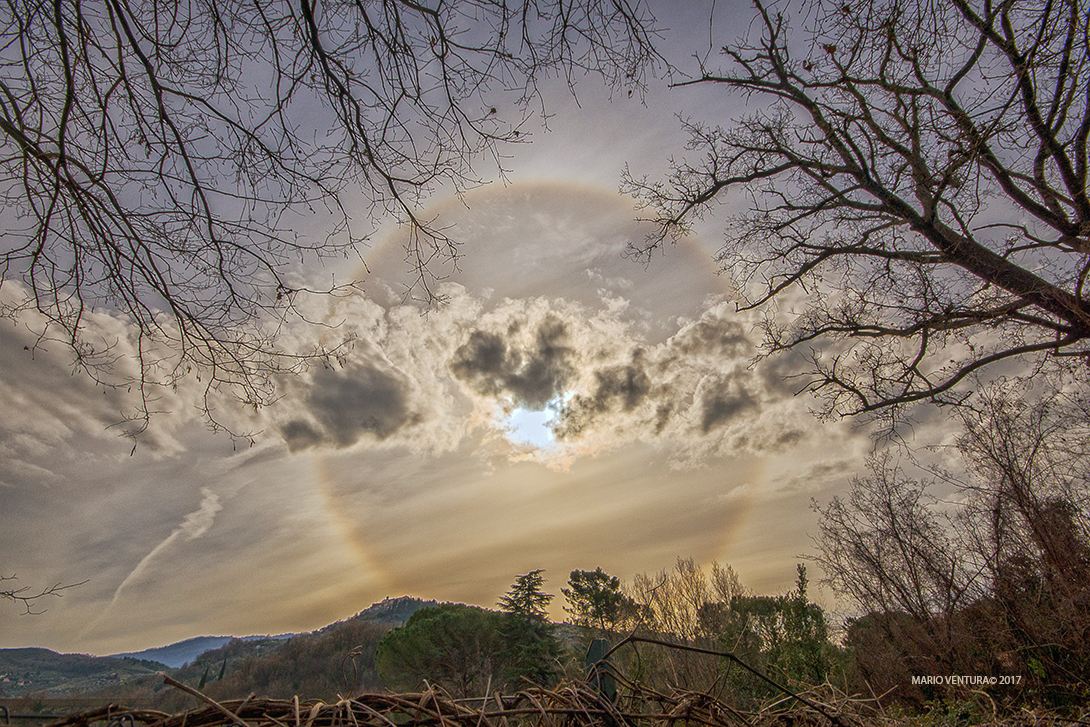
157	156
886	548
1001	579
673	601
1027	516
683	605
919	173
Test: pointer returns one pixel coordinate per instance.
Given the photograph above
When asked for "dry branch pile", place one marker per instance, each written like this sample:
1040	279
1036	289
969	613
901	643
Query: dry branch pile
569	705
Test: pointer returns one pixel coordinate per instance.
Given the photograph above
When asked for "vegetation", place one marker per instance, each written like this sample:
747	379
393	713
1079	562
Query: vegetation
46	673
919	177
698	631
595	599
785	637
996	585
526	599
459	648
470	651
340	661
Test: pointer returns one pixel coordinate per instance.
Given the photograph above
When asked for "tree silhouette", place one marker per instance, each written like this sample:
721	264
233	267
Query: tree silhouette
918	177
1001	579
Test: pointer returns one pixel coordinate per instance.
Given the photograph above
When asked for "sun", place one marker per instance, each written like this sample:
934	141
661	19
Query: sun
532	427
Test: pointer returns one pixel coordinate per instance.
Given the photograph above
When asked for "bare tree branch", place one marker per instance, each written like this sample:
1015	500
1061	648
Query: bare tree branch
920	173
28	598
157	157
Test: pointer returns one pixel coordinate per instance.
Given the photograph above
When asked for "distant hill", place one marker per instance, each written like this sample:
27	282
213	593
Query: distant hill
322	663
47	673
183	652
389	611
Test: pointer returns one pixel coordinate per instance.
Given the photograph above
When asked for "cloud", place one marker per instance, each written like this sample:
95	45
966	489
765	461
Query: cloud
53	401
194	525
696	393
403	379
348	405
626	385
426	383
200	520
714	335
725	401
533	376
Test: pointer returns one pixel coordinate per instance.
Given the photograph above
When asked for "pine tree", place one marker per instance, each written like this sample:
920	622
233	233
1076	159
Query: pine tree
533	651
526	598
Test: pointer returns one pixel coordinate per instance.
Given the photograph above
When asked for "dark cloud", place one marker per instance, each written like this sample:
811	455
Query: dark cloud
724	404
780	373
714	336
533	377
300	435
349	404
699	381
622	387
662	417
628	385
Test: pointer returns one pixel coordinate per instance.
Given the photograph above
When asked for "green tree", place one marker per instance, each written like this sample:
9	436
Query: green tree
460	648
533	650
595	599
526	597
786	637
467	651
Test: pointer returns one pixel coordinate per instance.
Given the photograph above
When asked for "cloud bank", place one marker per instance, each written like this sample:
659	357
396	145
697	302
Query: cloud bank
426	384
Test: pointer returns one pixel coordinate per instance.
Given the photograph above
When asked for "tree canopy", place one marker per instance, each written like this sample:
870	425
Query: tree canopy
454	646
917	179
595	599
467	651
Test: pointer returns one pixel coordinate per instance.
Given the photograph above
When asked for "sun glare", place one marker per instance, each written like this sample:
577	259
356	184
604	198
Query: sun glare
526	426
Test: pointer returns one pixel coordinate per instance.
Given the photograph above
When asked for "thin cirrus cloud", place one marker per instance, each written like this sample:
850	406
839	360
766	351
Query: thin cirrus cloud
193	525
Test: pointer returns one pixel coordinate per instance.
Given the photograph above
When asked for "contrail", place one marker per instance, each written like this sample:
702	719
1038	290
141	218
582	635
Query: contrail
192	527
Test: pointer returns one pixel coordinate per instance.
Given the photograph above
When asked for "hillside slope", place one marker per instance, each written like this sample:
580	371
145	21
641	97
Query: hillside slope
47	673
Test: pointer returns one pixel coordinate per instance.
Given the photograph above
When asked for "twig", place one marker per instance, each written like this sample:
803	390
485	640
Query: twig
206	699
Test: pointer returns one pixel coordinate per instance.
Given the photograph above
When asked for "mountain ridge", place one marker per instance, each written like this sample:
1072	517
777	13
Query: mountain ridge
182	652
36	670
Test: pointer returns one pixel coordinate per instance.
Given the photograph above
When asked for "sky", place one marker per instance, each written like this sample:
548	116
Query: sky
568	408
